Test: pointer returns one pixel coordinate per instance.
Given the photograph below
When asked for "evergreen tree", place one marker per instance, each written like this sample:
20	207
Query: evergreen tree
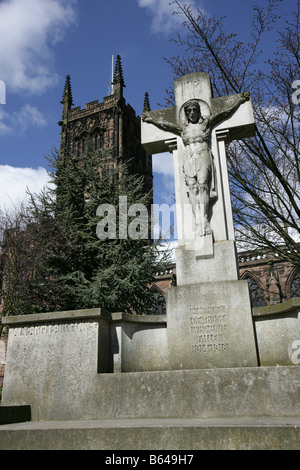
67	265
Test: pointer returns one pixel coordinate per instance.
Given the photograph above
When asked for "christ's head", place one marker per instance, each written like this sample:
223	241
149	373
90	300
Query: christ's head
192	111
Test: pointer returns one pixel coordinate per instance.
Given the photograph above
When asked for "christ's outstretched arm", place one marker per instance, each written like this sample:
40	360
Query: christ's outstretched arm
161	123
237	100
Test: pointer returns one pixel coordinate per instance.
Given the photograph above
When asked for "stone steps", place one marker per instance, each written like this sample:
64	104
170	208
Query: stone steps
227	393
160	434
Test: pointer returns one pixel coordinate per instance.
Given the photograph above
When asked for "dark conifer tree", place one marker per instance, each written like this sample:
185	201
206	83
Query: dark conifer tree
66	265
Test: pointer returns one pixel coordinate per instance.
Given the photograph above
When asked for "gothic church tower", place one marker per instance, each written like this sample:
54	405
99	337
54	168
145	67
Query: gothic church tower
112	124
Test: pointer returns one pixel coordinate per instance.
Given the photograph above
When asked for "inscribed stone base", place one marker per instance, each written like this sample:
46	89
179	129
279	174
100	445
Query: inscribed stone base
210	326
192	268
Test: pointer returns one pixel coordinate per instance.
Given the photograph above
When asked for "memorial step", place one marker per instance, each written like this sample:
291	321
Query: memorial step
155	435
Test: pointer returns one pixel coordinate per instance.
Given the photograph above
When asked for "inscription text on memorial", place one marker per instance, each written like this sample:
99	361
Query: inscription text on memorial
208	329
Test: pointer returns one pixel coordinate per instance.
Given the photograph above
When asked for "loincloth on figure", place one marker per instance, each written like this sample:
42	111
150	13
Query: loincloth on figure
199	166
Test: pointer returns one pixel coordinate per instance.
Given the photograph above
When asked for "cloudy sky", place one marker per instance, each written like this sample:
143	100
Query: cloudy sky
44	40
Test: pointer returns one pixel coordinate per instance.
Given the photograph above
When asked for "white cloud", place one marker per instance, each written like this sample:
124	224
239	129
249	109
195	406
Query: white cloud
18	122
164	21
28	31
15	181
5	127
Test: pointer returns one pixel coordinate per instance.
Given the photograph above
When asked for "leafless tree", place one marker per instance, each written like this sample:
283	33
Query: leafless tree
264	170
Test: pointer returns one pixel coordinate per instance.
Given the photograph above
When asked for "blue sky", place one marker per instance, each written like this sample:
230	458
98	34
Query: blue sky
41	41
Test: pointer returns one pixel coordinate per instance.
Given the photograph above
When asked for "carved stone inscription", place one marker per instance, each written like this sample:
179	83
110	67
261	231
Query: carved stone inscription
208	329
53	329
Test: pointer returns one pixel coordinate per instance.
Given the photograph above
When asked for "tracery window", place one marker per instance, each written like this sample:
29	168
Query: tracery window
97	139
81	144
256	293
295	285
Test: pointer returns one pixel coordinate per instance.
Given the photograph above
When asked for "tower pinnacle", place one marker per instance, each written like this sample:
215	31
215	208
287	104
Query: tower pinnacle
118	82
67	100
146	103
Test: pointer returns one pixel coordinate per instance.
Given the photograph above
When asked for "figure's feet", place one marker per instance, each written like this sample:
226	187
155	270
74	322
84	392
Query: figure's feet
202	231
207	229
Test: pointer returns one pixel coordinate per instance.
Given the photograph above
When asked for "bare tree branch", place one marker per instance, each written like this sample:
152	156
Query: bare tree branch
264	170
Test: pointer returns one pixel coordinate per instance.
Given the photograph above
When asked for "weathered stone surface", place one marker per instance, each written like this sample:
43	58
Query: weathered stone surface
192	269
200	167
239	125
210	393
278	333
236	392
155	435
51	361
138	343
206	255
210	325
70	349
155	140
193	86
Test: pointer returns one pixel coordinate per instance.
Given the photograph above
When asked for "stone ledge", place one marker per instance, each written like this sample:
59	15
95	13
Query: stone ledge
128	318
278	309
12	321
73	315
155	434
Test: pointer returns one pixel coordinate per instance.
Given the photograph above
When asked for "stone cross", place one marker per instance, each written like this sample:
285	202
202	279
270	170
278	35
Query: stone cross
197	130
208	310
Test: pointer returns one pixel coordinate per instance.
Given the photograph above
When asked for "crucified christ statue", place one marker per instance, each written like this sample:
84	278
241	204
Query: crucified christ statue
198	168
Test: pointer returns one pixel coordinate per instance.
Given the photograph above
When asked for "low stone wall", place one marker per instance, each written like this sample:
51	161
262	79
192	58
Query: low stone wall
138	343
54	360
278	333
93	365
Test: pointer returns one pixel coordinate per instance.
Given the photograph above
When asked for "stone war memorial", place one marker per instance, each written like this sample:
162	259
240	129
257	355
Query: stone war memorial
213	373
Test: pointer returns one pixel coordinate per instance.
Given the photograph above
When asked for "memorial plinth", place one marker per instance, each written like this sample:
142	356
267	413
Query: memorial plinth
210	326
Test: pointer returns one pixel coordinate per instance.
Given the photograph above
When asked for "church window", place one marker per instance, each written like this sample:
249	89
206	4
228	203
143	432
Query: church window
295	285
98	140
81	144
256	293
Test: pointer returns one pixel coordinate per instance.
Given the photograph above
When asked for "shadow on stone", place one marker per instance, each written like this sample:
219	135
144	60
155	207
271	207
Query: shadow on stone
15	414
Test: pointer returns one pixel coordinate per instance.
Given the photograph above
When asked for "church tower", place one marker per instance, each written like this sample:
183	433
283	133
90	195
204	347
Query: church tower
112	124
